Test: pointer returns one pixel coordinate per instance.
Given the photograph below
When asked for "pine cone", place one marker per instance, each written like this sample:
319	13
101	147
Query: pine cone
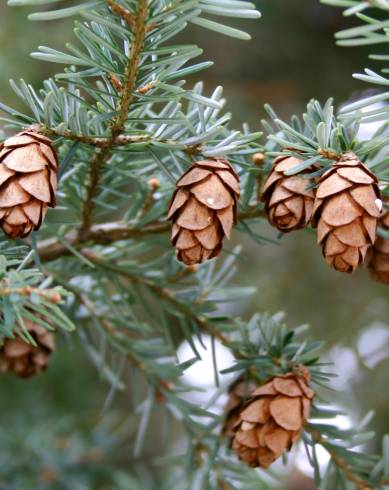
24	359
288	199
379	254
203	210
271	421
345	212
28	181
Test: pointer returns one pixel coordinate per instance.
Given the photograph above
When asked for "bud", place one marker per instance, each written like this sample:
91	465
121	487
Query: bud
154	183
259	159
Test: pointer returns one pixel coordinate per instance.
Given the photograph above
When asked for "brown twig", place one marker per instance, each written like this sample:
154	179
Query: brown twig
97	141
50	295
121	140
107	233
102	155
153	184
259	160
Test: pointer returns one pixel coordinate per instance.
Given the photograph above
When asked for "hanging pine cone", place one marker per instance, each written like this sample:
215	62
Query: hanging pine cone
26	360
271	421
28	181
203	210
379	254
239	392
345	212
288	199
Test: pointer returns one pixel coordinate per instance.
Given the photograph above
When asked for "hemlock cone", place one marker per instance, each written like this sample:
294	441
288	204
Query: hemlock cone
271	421
26	360
203	210
379	254
28	181
288	199
345	212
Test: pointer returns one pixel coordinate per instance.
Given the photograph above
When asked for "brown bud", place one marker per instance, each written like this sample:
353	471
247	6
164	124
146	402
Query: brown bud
26	360
345	213
154	183
258	159
28	181
192	269
378	258
288	199
116	83
271	421
203	210
54	297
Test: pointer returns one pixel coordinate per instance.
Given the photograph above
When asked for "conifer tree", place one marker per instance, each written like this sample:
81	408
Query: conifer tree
133	144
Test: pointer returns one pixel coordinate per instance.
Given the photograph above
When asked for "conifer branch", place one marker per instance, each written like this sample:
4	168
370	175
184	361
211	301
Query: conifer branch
106	233
163	293
101	157
50	295
120	140
97	141
360	483
112	332
123	12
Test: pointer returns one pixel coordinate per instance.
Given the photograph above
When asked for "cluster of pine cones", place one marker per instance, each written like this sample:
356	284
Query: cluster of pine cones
28	182
263	422
343	204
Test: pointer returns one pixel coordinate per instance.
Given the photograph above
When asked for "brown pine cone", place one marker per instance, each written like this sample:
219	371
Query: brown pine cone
379	254
271	421
203	210
26	360
288	199
28	181
345	212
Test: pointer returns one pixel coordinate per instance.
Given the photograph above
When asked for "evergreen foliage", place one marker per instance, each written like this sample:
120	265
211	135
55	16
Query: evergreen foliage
126	125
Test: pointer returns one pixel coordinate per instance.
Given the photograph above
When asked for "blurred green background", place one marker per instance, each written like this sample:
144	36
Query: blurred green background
292	57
